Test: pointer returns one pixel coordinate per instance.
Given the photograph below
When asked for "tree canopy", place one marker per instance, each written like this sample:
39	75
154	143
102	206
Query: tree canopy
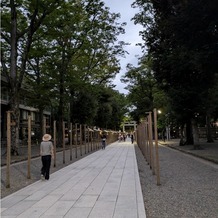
57	53
181	40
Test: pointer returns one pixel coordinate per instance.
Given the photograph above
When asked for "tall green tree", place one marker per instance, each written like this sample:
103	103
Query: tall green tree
84	105
144	94
85	49
112	107
181	37
58	48
20	21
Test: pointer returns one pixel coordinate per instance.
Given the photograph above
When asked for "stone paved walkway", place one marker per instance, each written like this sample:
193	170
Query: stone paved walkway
102	184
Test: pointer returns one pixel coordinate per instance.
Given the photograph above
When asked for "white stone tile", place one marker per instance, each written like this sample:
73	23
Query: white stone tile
51	216
141	210
72	195
98	183
103	209
2	209
12	200
60	208
78	212
86	201
18	208
33	212
8	216
125	213
108	197
37	195
47	201
127	202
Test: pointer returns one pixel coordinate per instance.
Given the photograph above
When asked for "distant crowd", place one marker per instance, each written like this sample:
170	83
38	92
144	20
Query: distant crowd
123	136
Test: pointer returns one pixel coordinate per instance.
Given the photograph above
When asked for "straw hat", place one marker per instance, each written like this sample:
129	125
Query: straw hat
46	137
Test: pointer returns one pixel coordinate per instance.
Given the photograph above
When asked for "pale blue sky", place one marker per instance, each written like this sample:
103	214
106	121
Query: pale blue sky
131	36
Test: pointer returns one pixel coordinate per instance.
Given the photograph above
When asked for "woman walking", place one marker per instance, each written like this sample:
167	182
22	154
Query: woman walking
46	152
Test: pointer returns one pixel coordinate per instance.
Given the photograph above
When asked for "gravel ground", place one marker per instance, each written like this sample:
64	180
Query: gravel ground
189	186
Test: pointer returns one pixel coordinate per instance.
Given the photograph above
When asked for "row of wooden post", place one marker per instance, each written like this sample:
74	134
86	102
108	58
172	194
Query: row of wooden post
93	143
146	132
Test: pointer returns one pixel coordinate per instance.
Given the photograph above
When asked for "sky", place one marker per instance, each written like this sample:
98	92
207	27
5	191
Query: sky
131	36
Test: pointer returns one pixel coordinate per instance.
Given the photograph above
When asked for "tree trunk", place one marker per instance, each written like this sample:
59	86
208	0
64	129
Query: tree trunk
61	111
14	87
14	78
62	72
189	133
41	125
182	137
195	135
15	122
209	132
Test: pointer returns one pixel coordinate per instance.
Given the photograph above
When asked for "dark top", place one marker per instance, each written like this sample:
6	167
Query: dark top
104	137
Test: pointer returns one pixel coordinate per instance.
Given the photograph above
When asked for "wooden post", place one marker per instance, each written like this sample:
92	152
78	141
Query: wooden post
107	141
71	140
54	134
151	143
81	139
85	137
156	147
88	139
8	149
91	140
76	142
137	133
94	140
44	125
148	143
97	142
29	149
63	142
146	140
141	137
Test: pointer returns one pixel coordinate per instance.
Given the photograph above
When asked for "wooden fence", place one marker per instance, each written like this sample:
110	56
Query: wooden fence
147	140
81	138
